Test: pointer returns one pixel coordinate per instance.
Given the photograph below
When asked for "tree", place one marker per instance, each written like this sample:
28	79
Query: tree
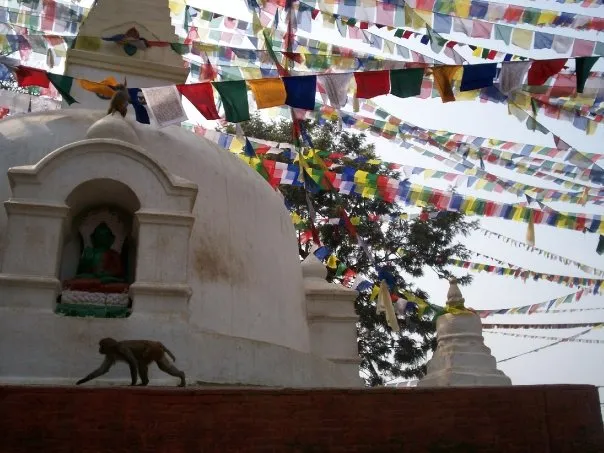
420	244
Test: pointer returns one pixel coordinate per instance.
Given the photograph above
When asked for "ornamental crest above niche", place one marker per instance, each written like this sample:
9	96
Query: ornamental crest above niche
132	41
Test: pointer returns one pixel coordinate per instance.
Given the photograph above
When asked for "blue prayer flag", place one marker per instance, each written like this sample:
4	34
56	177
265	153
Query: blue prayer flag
478	76
322	252
301	91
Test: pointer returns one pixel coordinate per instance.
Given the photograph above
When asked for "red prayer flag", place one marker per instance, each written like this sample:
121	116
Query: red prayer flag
31	77
371	84
541	70
201	96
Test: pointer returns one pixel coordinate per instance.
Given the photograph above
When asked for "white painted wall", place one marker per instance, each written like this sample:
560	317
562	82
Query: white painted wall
243	267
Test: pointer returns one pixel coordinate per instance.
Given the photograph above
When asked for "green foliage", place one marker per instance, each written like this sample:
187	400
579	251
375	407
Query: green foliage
426	244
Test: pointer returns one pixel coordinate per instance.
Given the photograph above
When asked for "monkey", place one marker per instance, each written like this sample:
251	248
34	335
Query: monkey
138	354
120	99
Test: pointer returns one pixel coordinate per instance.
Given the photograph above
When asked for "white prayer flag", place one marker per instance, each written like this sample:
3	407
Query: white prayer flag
336	87
165	105
512	75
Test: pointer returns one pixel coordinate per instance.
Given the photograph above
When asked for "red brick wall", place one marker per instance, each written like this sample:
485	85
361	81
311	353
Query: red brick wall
532	419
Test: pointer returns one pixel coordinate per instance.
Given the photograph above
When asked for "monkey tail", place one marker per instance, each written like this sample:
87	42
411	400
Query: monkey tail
167	351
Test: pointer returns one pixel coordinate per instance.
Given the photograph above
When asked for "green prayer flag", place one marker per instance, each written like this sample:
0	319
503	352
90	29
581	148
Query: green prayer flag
399	32
583	66
63	85
234	98
341	269
503	33
406	83
485	53
600	247
531	16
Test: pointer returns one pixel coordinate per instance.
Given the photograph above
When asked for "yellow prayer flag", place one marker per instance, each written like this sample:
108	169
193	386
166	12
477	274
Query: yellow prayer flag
547	17
355	220
360	177
522	38
477	52
236	145
374	292
176	6
592	127
368	192
268	92
425	18
102	88
462	8
296	219
332	262
518	213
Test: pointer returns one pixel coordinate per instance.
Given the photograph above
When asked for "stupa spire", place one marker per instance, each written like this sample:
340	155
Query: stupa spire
136	27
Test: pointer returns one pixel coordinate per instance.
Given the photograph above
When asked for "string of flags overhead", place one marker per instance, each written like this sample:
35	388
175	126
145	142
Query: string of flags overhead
543	337
594	284
541	307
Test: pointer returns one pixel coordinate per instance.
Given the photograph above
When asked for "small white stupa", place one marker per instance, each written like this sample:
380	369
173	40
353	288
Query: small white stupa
461	358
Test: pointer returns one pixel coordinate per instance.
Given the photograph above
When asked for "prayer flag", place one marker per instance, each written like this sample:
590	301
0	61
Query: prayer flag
385	301
234	98
372	83
512	75
322	252
522	38
165	105
406	82
583	66
336	87
530	232
31	77
443	78
541	70
543	40
104	89
268	92
201	95
600	247
63	85
478	76
137	99
301	91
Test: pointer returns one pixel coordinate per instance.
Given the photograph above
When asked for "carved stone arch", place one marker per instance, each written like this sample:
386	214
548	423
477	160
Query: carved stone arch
39	207
56	175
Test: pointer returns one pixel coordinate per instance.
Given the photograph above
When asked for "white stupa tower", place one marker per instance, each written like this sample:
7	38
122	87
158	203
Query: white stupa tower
461	357
95	59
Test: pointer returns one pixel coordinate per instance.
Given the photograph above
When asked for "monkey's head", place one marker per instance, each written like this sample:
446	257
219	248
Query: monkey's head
106	345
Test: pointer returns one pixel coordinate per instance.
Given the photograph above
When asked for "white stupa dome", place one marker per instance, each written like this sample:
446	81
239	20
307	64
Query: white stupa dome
246	318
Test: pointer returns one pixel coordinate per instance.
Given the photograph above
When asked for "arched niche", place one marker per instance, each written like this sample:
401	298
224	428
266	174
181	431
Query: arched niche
92	203
48	197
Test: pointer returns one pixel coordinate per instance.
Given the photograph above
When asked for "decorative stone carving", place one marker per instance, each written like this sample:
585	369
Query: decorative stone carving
461	357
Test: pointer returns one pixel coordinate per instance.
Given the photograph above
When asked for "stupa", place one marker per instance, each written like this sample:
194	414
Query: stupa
115	228
461	358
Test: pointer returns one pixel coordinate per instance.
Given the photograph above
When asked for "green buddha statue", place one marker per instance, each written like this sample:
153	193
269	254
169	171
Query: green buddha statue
100	261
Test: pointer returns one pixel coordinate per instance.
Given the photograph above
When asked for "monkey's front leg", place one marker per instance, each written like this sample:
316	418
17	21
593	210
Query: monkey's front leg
104	368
